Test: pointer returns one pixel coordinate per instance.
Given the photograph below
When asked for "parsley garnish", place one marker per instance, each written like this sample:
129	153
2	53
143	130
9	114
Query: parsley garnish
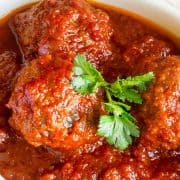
119	126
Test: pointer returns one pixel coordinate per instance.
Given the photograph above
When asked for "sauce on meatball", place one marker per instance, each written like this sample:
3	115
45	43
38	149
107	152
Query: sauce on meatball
48	130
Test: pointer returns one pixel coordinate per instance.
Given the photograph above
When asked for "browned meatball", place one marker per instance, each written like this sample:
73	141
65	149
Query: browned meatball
147	46
128	170
149	49
64	28
47	110
167	168
86	166
160	111
107	163
3	138
8	69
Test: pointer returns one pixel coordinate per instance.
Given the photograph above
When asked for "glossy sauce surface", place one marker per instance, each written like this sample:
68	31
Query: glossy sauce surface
152	156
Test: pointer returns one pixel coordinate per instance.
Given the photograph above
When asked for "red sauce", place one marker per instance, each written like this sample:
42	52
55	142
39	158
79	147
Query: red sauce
133	48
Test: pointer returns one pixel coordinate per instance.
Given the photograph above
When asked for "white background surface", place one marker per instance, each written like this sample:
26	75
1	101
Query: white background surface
175	3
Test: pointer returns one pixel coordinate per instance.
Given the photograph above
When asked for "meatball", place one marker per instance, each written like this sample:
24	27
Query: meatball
148	48
160	111
64	28
86	166
128	170
168	168
133	169
47	110
8	69
108	163
3	137
127	29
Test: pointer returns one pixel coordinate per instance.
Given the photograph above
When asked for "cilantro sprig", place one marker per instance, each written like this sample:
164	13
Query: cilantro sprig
119	126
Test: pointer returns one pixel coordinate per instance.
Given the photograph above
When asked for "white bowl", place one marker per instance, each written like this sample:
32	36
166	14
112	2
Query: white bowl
164	13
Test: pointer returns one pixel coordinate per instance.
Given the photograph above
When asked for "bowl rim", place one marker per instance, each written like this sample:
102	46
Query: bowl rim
162	13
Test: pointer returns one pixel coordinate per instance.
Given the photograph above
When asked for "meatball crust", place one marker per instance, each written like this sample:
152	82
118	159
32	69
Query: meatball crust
147	49
160	111
47	110
110	164
137	170
86	166
8	69
64	28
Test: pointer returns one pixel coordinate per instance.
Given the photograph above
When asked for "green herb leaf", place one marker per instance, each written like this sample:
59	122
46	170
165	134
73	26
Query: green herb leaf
86	78
119	126
127	89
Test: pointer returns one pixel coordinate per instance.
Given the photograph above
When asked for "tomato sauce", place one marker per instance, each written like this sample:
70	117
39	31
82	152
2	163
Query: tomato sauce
152	156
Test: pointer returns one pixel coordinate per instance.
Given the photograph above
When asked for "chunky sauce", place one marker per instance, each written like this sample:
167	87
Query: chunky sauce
19	160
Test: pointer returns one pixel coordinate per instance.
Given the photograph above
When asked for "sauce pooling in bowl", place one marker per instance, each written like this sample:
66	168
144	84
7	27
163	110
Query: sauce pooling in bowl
41	140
